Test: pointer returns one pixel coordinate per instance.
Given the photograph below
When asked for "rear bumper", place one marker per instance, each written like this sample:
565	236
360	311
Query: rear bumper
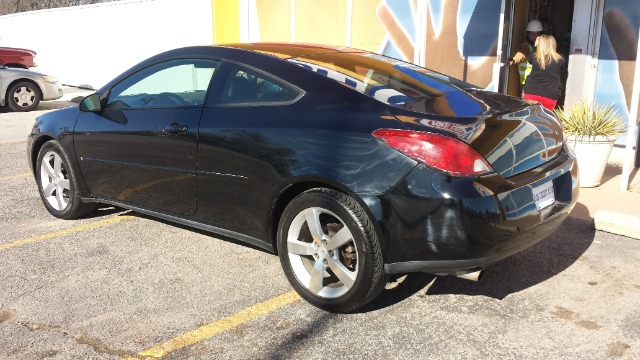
440	224
518	243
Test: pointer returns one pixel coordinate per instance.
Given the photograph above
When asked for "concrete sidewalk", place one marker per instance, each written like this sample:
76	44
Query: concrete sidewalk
610	209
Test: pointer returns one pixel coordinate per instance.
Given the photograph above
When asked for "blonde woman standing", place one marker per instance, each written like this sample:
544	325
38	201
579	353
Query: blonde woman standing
544	84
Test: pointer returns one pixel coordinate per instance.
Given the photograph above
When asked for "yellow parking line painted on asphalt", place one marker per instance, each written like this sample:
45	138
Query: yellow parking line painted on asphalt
56	234
212	329
15	176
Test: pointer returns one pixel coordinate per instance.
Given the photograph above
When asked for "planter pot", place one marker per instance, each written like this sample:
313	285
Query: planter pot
592	154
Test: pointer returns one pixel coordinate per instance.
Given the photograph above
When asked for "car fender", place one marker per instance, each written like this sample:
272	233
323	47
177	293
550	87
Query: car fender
370	203
44	130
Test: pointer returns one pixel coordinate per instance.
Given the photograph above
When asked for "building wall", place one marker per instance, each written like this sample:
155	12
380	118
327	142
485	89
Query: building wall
89	45
465	44
226	21
366	30
325	24
455	37
274	20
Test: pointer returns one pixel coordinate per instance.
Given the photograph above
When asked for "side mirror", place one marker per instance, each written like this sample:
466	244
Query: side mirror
91	103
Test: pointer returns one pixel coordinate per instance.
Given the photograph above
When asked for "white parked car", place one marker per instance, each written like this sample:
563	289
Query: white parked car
22	90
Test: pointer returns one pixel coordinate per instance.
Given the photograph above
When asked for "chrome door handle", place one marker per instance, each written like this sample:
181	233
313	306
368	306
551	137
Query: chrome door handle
175	128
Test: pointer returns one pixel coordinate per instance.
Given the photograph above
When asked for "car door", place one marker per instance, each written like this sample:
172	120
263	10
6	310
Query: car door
141	148
240	151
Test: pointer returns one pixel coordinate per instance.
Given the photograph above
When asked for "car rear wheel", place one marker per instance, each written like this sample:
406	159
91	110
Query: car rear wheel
329	251
23	96
58	184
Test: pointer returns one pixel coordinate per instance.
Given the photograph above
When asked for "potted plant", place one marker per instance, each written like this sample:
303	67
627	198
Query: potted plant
590	133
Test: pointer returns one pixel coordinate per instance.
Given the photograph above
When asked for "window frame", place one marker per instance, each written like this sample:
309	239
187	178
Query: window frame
155	68
226	72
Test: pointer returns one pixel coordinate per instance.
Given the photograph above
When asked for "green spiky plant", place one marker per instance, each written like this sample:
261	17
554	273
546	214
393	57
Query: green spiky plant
585	122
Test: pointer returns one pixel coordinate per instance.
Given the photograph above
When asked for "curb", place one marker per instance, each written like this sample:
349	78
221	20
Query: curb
617	223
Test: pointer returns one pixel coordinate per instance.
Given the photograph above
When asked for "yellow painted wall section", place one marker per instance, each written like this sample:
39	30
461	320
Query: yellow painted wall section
366	31
321	24
226	21
274	18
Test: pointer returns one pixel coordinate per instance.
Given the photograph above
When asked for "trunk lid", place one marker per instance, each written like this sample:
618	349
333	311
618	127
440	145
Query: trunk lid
512	134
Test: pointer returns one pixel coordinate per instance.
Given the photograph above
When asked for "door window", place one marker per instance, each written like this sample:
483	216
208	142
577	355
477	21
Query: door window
174	83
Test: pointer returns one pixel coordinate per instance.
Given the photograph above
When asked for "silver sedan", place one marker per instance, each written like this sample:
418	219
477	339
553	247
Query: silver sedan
22	90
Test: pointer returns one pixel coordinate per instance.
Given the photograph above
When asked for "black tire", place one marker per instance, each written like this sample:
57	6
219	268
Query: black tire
57	183
23	96
346	247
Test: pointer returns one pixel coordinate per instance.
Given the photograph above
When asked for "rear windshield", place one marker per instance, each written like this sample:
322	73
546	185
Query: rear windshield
391	81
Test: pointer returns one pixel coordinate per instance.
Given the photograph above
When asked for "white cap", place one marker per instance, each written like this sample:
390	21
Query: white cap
534	25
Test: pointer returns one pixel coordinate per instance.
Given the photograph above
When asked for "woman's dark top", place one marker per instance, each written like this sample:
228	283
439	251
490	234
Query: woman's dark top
547	82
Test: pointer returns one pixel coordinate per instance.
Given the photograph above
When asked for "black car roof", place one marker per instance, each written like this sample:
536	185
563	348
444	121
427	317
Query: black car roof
268	57
292	50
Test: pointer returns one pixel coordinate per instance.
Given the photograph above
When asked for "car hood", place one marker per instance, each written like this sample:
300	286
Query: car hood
512	134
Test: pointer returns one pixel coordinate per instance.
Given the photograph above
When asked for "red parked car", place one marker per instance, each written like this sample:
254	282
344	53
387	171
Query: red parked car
17	58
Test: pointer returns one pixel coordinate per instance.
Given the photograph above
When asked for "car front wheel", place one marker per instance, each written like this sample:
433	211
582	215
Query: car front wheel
329	251
23	96
58	185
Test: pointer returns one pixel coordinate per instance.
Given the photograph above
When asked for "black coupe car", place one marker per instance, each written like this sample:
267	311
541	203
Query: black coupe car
350	165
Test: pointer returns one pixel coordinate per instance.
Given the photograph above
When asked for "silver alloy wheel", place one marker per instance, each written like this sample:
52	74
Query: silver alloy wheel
54	181
24	96
322	252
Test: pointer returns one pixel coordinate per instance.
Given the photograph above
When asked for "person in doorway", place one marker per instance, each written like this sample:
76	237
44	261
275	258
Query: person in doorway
544	83
534	29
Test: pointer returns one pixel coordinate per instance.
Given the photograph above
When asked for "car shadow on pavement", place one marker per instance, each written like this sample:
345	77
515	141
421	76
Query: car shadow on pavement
207	233
528	268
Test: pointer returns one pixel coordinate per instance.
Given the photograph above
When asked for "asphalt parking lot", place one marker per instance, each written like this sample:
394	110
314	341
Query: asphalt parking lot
16	125
120	285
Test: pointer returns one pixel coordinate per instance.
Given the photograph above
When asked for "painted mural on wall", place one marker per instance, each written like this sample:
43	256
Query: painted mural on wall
455	37
617	55
460	37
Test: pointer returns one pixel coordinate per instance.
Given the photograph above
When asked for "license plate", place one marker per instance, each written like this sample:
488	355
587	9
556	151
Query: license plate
543	195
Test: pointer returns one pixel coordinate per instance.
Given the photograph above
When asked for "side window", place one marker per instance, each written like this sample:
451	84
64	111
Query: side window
245	86
171	84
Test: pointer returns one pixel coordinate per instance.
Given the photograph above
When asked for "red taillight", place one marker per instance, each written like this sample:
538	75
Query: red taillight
450	155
